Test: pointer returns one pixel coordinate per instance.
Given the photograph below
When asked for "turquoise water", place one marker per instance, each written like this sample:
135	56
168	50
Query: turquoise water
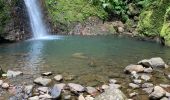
109	54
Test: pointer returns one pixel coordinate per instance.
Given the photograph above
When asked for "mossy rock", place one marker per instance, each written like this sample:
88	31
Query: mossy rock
165	32
151	18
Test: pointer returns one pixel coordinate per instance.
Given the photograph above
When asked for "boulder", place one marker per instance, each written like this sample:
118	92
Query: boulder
76	87
111	94
11	73
58	77
136	68
148	90
42	81
157	93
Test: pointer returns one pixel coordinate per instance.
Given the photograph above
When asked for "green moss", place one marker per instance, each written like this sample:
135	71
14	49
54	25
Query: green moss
151	19
68	11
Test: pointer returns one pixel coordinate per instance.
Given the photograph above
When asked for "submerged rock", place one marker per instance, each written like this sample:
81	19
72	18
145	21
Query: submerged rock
79	55
136	68
111	94
11	73
157	93
133	94
76	87
42	81
105	87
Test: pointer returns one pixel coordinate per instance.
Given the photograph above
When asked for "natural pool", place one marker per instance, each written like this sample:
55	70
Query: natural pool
100	58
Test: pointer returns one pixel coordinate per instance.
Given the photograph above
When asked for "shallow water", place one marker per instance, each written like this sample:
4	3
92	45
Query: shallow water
109	54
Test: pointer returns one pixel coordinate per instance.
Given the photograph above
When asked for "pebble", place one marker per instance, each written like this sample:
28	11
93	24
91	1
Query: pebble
91	90
134	86
76	87
88	97
47	73
147	85
34	98
145	77
58	77
137	81
133	94
67	97
42	81
5	85
136	68
169	76
43	89
148	70
60	86
55	92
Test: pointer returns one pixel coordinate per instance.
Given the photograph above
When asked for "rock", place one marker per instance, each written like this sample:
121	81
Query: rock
166	66
76	87
120	29
28	89
34	98
69	77
88	97
167	94
164	85
47	74
5	85
134	75
136	68
115	86
11	73
112	81
147	85
148	70
105	87
169	76
60	86
58	77
91	90
42	81
111	94
81	97
164	98
134	86
45	97
55	92
157	93
79	56
133	94
148	90
43	89
1	82
145	77
156	62
67	97
1	71
137	81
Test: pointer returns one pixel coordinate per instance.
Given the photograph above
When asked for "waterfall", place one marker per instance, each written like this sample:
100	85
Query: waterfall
36	19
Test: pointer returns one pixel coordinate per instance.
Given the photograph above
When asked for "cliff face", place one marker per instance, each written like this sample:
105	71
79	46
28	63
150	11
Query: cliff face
14	24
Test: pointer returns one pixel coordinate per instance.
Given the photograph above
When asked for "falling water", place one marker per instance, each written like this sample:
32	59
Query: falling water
38	27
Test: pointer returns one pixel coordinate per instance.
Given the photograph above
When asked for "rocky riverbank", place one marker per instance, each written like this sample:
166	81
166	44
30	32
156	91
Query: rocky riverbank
52	86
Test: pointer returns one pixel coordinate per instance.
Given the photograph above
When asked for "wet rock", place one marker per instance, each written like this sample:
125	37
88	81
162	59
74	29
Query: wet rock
136	68
91	90
105	87
148	70
5	85
76	87
34	98
111	94
79	56
112	81
11	73
43	89
55	92
60	86
67	97
157	93
165	85
145	77
156	62
133	94
134	86
81	97
148	90
88	97
42	81
147	85
45	97
28	89
58	77
115	86
47	74
137	81
1	82
164	98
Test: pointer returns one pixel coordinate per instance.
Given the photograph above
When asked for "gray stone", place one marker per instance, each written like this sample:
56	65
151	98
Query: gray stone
42	81
11	73
28	89
111	94
167	94
137	81
76	87
169	76
115	86
134	75
91	90
133	94
147	85
145	77
58	77
104	87
148	70
47	73
60	86
79	55
81	97
1	82
165	85
136	68
134	86
34	98
112	81
55	92
157	93
5	85
148	90
88	97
